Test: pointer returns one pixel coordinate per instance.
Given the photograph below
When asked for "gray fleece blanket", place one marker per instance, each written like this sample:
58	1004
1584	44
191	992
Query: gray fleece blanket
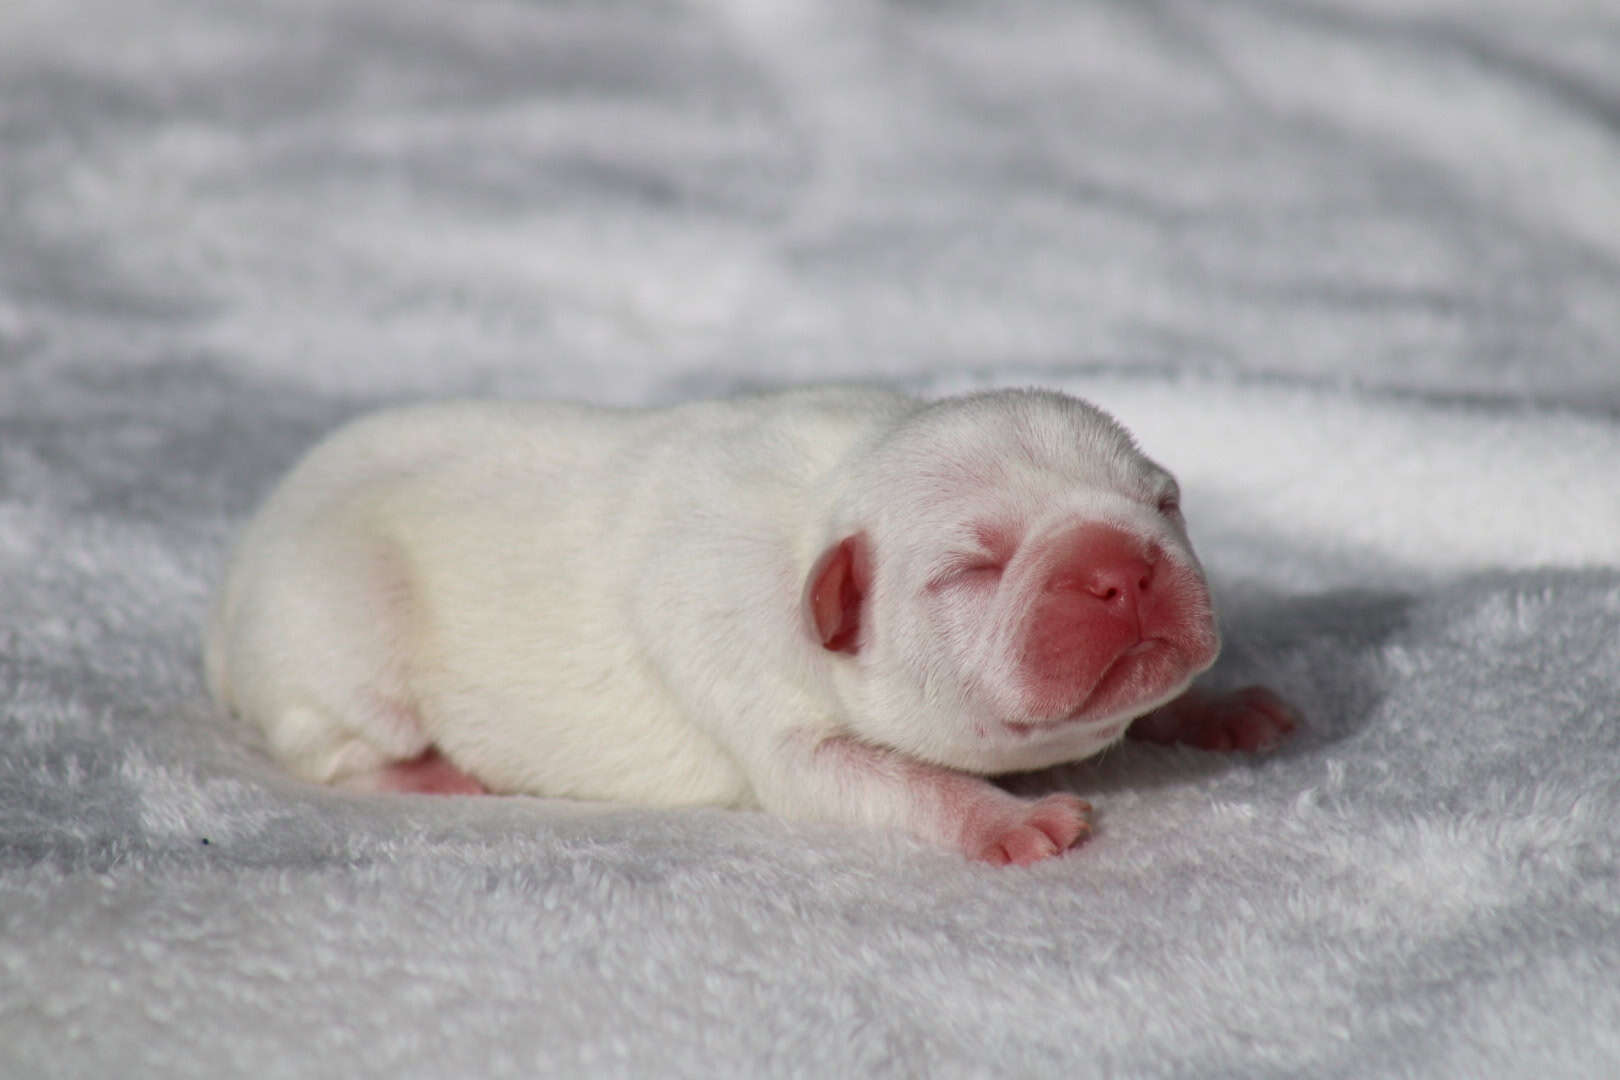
1351	267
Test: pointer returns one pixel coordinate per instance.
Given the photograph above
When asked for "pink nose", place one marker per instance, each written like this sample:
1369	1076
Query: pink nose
1109	566
1116	619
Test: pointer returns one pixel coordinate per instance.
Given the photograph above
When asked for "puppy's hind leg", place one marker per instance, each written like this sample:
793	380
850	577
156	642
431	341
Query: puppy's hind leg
395	757
428	773
327	651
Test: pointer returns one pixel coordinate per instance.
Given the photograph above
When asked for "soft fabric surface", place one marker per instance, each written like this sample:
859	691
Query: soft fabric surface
1351	267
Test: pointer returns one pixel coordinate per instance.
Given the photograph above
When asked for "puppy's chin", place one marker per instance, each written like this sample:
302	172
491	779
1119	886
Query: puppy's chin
1140	679
1137	684
989	729
1005	751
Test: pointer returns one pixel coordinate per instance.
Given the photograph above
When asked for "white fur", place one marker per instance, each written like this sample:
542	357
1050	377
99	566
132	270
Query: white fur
608	604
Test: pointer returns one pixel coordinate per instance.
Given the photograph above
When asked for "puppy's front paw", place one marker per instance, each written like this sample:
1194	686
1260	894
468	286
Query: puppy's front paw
1252	718
1033	831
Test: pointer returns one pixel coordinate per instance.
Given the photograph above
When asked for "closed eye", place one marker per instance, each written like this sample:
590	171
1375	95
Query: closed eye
972	570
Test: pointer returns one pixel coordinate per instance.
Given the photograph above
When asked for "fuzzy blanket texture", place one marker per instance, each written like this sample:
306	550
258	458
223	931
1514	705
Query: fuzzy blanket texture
1350	267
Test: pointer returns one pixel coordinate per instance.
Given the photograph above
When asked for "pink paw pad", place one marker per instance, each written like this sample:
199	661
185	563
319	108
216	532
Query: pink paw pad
427	774
1047	828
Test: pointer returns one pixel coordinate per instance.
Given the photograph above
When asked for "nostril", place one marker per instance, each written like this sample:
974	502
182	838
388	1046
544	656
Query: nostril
1118	583
1106	566
1110	583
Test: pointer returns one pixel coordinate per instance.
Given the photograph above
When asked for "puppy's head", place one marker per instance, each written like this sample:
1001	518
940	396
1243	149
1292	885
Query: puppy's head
1006	583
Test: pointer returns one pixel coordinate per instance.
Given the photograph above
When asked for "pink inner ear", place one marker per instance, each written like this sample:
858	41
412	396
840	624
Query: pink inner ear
837	587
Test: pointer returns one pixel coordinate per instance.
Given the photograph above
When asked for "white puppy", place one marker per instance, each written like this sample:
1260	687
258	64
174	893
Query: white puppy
839	604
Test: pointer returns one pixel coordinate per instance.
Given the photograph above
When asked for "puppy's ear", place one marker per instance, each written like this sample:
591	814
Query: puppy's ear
835	594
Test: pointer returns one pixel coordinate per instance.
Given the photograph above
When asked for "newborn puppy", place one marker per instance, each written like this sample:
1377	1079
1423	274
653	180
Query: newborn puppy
838	604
